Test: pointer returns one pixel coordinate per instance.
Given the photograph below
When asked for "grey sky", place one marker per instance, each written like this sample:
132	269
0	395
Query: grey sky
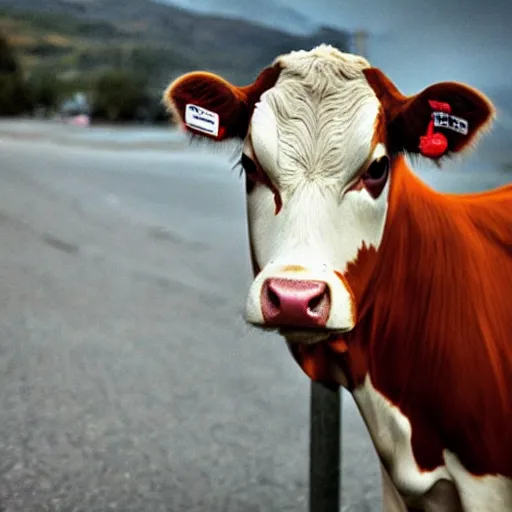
418	42
415	42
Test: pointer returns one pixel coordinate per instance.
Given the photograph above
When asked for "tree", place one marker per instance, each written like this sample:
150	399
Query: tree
8	62
45	90
14	99
119	95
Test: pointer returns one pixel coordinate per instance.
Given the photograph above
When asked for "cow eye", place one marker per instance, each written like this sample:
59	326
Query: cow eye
375	177
378	171
248	165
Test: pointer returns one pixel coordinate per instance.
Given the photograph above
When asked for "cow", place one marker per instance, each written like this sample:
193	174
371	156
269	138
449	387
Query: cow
377	282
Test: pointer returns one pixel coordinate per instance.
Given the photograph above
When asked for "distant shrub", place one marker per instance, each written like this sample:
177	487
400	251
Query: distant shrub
14	99
8	61
157	111
91	58
119	95
45	50
14	96
45	90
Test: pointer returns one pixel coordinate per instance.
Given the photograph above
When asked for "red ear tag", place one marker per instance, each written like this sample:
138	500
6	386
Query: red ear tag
440	106
434	145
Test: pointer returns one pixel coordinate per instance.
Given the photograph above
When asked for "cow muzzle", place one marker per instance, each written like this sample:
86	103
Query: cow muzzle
302	302
295	302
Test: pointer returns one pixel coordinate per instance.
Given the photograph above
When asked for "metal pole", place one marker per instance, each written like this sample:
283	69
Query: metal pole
360	40
324	450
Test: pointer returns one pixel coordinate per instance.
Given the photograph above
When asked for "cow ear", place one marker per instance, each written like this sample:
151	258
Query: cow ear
443	119
205	104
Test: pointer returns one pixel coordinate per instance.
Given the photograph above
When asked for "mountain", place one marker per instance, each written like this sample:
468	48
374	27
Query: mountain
271	13
162	40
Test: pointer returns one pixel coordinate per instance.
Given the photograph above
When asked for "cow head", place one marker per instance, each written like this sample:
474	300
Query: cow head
320	132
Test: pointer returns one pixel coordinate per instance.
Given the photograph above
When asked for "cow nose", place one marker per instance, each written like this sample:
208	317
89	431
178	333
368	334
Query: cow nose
297	303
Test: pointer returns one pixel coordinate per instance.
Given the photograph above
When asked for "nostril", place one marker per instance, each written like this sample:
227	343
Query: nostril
315	302
273	298
319	303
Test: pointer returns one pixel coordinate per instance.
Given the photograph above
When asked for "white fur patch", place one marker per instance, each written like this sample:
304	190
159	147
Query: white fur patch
492	493
202	120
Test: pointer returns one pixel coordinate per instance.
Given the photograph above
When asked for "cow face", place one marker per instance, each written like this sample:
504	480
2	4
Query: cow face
318	178
320	130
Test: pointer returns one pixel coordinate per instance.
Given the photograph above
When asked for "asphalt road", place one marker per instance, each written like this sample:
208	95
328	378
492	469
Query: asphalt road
128	380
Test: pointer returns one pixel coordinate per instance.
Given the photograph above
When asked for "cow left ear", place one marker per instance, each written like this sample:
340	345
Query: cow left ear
444	118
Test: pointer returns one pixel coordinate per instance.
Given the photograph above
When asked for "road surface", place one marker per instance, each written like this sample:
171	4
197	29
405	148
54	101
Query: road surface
128	380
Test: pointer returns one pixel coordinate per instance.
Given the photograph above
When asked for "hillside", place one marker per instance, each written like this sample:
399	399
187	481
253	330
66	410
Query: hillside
272	13
78	37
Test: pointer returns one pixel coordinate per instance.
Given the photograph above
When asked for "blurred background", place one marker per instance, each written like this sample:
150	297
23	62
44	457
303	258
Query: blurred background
128	380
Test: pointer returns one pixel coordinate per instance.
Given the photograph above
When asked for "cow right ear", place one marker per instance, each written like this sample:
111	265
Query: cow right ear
205	104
